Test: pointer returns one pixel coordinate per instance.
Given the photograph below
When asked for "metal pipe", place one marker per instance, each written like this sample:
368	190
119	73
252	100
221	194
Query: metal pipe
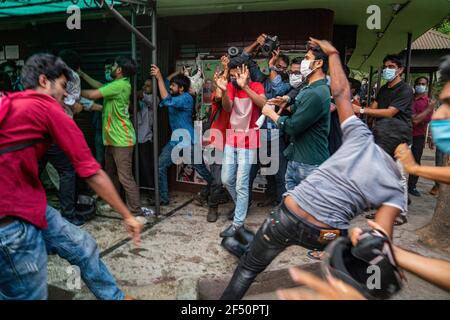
369	87
127	25
408	57
155	113
135	102
378	80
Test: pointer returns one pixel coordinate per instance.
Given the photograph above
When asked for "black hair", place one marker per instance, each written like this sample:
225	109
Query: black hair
5	82
355	84
109	61
297	60
319	55
43	63
444	68
421	77
398	59
71	58
285	58
182	81
127	65
236	62
390	132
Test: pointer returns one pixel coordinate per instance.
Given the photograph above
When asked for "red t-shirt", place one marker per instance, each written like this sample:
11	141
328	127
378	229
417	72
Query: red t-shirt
26	116
242	131
420	104
220	119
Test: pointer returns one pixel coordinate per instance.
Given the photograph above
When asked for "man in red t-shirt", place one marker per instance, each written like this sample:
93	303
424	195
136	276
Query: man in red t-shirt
244	100
30	121
422	112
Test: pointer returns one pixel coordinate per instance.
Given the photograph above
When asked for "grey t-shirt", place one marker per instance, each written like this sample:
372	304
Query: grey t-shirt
359	176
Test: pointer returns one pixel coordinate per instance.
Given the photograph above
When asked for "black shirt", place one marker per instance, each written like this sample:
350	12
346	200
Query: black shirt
400	97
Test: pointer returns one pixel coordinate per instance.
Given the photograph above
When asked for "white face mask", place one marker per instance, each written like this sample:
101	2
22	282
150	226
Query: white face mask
305	68
295	80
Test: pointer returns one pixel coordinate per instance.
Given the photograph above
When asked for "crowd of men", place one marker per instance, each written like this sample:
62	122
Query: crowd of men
330	165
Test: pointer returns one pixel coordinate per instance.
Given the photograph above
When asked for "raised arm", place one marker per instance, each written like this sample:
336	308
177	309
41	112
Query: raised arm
222	85
339	83
258	42
92	82
154	71
242	79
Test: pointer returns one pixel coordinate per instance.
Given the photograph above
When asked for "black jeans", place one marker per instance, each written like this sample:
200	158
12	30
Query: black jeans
280	230
215	186
276	185
67	178
417	151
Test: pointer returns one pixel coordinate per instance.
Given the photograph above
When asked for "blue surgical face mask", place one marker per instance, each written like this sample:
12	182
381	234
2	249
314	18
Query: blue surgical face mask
440	129
108	76
389	74
420	89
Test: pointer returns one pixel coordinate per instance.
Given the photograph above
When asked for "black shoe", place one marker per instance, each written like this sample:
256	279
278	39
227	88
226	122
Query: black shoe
230	231
76	220
212	215
414	192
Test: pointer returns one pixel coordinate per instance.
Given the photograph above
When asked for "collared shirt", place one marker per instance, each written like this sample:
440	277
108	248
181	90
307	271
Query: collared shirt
359	176
309	125
180	116
420	104
31	116
118	131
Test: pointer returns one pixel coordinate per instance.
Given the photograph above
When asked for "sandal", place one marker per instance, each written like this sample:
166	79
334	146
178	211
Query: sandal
370	216
315	254
400	220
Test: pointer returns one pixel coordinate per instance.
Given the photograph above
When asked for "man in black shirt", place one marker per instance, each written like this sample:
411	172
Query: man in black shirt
394	100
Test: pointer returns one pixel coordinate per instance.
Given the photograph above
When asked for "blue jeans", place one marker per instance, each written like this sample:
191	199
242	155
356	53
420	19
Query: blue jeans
79	248
296	172
165	161
236	168
23	262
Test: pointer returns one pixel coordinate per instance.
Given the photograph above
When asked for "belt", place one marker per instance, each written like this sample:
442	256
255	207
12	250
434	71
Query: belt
6	221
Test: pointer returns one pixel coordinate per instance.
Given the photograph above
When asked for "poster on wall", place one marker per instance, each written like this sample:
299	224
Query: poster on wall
187	174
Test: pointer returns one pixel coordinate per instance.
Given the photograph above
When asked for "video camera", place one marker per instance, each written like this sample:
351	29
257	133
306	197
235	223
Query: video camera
271	43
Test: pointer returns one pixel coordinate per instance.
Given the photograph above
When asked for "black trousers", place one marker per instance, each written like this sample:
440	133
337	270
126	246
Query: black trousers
280	230
67	178
417	151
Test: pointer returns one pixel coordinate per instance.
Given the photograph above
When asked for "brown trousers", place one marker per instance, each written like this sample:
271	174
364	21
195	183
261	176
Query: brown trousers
119	167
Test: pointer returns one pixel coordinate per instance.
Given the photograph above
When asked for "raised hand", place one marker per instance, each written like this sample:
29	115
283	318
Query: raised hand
261	39
154	71
242	76
220	81
225	60
275	55
325	45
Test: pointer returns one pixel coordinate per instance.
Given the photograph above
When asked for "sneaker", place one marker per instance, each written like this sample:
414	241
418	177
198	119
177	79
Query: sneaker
212	215
434	191
145	212
414	192
230	231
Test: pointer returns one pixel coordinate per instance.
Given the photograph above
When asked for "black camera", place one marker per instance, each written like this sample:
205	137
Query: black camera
271	43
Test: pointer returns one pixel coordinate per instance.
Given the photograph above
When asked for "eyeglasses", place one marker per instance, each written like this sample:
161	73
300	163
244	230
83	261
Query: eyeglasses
294	72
